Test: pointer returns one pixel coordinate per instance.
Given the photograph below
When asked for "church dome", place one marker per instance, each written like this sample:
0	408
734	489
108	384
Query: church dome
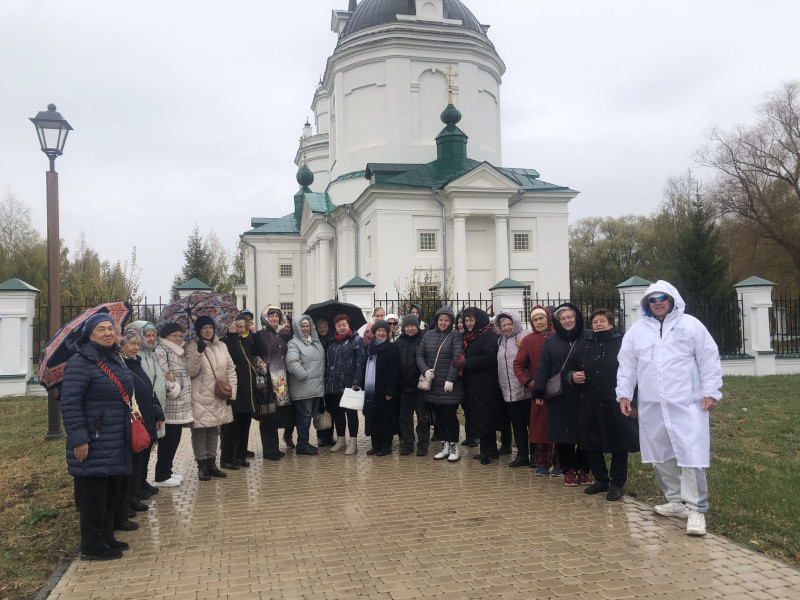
370	13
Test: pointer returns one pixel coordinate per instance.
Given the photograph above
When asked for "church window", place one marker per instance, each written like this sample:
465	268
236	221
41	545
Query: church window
427	241
286	271
288	309
429	290
522	241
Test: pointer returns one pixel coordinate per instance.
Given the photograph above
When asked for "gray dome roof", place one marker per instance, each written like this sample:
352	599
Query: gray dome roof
370	13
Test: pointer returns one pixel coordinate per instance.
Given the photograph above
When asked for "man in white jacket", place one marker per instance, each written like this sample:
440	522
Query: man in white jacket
675	362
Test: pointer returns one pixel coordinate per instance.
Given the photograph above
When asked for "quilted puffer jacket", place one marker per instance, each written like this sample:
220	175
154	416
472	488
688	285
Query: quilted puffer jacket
208	410
94	412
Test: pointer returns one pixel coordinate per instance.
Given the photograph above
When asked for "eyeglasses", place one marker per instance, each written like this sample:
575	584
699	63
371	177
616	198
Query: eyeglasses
392	322
657	299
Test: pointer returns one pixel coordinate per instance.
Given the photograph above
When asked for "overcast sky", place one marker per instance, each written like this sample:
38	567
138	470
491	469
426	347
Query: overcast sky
189	111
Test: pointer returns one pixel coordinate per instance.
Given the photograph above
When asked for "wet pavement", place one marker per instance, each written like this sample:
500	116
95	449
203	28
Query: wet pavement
333	526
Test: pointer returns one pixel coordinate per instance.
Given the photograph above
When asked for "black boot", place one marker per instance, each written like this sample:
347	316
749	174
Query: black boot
211	465
485	460
202	470
385	449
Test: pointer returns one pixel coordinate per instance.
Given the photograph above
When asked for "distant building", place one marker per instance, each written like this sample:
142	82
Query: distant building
391	185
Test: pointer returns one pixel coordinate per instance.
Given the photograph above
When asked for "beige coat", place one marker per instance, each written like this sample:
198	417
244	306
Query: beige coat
208	410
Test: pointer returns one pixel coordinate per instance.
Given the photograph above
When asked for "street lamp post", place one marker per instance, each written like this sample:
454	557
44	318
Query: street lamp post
52	130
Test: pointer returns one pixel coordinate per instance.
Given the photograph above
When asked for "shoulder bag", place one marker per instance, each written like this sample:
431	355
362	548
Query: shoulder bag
222	389
140	439
424	383
555	385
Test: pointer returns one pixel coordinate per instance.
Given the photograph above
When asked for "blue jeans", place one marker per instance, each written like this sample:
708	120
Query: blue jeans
305	410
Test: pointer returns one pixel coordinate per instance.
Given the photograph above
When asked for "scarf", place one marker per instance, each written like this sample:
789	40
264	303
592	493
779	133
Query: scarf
473	335
341	338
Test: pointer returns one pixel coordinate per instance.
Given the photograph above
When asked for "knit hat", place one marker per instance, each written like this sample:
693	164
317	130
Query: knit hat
169	328
129	335
411	320
341	317
93	321
382	325
392	316
201	322
148	326
538	311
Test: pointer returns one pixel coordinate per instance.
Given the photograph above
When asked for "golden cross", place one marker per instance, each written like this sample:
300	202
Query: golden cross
450	76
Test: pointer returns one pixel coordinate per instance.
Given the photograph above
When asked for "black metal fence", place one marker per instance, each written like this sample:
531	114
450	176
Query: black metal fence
428	306
784	326
723	319
144	311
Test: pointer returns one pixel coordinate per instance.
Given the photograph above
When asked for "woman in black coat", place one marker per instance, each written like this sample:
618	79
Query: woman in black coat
478	366
602	428
563	410
243	344
98	428
412	399
381	390
152	414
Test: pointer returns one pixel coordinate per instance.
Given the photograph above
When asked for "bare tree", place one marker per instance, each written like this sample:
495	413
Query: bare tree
758	171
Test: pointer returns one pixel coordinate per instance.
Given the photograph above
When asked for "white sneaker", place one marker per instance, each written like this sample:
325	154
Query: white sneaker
176	476
455	453
352	446
443	453
672	509
339	445
696	524
167	483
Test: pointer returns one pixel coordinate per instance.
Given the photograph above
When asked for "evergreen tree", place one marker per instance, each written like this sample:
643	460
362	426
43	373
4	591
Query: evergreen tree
700	270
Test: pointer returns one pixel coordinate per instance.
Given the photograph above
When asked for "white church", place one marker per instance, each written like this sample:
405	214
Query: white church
400	173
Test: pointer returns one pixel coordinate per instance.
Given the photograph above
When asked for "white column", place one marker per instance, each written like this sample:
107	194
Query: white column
756	302
324	273
500	247
311	276
460	254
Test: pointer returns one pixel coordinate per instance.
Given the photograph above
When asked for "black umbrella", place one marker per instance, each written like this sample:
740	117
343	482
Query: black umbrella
330	308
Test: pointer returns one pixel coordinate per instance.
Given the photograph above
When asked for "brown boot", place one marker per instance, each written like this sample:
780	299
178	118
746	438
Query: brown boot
212	468
202	470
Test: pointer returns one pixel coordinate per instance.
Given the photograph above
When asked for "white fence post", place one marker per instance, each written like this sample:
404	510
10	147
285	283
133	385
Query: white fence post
359	291
631	292
508	295
756	295
16	330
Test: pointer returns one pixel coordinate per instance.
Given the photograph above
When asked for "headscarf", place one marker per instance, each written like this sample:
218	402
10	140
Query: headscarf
283	322
482	324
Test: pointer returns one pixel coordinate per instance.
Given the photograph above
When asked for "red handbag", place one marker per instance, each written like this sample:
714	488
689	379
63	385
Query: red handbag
140	438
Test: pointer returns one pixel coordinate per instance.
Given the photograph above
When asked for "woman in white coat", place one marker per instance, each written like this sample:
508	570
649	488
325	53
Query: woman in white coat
207	360
675	362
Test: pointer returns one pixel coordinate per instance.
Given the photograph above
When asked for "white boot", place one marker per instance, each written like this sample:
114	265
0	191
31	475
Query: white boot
444	453
455	453
352	446
339	445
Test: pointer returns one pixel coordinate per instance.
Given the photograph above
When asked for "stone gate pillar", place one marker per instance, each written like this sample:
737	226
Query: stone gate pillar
16	330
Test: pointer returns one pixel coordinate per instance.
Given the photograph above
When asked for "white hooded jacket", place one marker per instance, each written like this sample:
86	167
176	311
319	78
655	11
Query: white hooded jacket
676	364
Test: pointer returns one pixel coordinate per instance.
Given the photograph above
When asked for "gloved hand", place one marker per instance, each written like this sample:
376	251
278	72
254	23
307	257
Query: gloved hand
429	374
201	345
459	363
448	386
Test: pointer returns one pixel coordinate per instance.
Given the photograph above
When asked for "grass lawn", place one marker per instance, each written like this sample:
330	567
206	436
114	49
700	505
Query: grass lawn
754	481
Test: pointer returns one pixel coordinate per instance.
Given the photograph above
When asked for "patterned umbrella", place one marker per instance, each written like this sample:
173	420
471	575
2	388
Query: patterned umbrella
63	345
220	307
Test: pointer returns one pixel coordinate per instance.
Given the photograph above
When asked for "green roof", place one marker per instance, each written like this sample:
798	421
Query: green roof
353	175
508	283
356	282
319	203
634	281
433	176
528	180
16	285
193	284
752	282
278	226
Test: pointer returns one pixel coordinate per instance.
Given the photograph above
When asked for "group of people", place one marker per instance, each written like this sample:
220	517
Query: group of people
570	395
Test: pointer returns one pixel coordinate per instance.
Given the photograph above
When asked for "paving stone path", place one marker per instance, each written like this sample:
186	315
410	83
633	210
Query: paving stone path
332	527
